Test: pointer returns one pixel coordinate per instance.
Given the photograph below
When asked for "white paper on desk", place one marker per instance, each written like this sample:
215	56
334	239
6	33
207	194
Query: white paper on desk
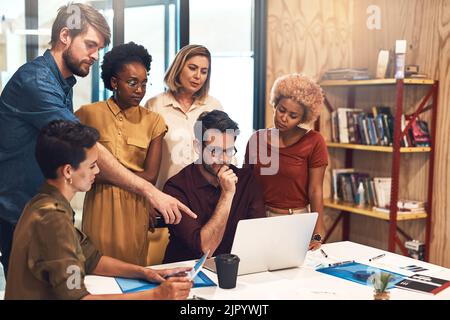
320	294
396	264
101	285
319	286
281	289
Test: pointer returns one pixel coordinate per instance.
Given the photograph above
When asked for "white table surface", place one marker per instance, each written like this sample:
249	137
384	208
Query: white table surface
304	282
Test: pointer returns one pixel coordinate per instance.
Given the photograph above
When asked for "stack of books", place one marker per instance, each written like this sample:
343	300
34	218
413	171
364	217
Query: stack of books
357	127
376	128
404	207
410	206
347	74
360	189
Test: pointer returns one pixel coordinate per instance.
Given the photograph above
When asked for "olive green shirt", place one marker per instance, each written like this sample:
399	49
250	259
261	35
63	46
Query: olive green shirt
49	257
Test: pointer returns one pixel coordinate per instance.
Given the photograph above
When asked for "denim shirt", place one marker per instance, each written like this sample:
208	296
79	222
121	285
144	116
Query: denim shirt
35	95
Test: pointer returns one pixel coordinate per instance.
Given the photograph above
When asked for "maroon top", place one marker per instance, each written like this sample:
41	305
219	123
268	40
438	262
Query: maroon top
286	187
190	187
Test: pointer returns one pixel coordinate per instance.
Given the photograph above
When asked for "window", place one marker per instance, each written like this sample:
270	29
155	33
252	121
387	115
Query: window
12	39
89	88
225	28
152	24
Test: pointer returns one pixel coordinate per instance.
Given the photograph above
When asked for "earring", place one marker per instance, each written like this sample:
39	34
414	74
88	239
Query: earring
69	180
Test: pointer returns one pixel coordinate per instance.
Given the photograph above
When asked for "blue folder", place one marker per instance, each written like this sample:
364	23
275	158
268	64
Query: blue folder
136	285
360	273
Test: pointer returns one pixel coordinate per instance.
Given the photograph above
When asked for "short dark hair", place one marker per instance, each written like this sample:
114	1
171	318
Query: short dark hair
215	119
63	142
121	55
77	17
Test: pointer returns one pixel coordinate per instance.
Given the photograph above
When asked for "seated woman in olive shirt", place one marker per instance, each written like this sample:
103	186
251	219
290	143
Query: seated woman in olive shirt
288	160
50	257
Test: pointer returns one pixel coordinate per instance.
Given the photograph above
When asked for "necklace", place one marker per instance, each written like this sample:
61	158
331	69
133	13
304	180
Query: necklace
185	104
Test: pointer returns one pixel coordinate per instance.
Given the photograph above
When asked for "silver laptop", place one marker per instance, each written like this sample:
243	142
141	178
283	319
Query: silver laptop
274	243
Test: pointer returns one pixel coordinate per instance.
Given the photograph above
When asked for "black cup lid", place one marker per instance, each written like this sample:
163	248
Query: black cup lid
228	258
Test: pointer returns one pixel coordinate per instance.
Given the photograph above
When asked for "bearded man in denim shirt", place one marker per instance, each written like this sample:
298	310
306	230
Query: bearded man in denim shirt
41	91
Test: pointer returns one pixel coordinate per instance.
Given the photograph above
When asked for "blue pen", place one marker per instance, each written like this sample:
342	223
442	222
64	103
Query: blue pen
340	263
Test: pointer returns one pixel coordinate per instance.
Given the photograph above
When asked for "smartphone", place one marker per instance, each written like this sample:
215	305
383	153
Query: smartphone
198	266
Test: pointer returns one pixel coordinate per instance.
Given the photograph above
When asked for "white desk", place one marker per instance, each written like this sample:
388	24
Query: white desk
305	282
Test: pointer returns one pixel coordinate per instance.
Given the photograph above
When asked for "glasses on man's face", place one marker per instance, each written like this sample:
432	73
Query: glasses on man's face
219	152
134	84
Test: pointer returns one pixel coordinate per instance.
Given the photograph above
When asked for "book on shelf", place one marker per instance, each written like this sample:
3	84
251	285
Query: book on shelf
386	121
404	206
399	211
381	209
363	129
405	141
410	204
352	129
404	210
334	126
347	74
382	64
372	132
375	128
346	124
423	284
383	191
359	188
419	133
374	193
335	173
419	76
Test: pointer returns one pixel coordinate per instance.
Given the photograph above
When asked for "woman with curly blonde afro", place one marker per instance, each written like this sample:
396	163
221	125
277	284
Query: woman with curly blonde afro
288	160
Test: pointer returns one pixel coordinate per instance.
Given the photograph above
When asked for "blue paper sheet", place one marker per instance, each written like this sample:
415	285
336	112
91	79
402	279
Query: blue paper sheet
135	285
360	273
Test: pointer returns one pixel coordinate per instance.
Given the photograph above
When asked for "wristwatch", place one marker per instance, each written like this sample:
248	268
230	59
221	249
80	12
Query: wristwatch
317	237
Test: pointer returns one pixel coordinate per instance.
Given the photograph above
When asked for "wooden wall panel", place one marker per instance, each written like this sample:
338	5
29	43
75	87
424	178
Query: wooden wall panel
313	36
440	243
297	34
425	27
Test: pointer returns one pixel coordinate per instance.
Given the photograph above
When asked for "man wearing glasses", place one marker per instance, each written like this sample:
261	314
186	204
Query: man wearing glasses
217	191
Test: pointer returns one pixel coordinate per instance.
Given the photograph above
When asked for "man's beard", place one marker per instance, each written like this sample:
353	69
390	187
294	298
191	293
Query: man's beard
72	64
209	168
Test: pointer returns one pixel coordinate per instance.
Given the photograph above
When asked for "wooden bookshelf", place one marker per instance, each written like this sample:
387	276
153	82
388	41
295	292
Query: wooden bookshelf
369	211
372	82
377	148
428	98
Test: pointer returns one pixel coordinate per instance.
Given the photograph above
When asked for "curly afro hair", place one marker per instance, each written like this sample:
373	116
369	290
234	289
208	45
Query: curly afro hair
121	55
302	90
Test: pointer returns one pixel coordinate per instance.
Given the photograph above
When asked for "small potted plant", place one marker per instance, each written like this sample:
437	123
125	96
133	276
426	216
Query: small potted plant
380	281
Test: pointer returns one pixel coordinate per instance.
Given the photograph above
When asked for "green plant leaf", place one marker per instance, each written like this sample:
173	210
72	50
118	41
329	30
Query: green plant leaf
385	277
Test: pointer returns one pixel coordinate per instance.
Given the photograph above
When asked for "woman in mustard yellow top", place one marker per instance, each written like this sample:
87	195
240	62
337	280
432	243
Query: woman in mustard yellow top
116	220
